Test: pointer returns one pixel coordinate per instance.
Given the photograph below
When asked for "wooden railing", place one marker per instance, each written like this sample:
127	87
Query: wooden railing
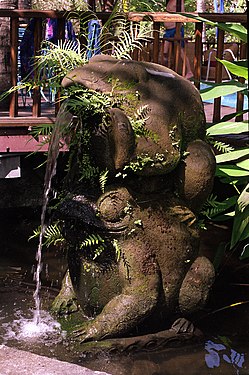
15	118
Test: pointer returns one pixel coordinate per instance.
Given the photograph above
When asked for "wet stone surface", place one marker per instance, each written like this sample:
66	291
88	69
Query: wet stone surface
18	362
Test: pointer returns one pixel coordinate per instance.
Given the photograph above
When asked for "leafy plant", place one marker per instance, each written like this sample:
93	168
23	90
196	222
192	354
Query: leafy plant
52	234
232	163
95	243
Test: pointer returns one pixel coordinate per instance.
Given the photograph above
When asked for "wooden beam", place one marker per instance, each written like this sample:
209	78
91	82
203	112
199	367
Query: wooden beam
26	122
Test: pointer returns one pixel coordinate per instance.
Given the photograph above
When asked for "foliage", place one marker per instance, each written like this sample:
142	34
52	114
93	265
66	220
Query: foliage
52	234
95	243
147	6
232	163
90	108
233	32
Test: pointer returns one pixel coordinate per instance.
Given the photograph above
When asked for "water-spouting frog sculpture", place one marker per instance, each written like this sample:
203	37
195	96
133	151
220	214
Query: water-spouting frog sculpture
149	216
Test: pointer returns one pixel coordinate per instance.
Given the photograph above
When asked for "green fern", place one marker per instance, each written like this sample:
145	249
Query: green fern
58	60
95	243
103	177
41	130
52	234
138	124
92	240
220	146
212	208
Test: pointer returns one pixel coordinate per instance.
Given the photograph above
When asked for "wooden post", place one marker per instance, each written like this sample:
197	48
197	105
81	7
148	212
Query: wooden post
61	36
177	48
156	33
240	96
14	23
198	53
218	74
36	110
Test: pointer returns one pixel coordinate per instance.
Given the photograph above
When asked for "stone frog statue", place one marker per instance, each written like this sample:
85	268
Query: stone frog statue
148	217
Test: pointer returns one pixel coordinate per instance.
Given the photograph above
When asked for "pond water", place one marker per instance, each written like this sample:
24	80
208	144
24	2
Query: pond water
223	350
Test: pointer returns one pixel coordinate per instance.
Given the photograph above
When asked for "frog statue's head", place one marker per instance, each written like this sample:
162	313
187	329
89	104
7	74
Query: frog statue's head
152	129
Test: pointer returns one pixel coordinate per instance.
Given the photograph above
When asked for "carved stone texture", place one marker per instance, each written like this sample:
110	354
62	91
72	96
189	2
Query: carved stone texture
150	216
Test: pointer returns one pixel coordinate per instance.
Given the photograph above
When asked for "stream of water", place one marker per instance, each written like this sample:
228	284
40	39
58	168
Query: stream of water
42	324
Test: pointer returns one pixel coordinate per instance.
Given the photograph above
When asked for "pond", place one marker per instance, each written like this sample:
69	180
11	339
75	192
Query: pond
224	349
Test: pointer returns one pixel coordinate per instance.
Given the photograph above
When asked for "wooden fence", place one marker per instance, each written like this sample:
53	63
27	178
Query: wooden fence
15	121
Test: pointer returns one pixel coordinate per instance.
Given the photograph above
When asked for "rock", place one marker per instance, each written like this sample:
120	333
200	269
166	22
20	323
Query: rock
19	362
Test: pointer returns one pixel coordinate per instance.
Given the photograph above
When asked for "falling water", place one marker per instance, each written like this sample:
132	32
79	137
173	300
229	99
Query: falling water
63	119
42	323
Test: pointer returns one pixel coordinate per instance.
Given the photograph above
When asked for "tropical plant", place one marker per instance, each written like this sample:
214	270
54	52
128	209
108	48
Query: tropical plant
232	162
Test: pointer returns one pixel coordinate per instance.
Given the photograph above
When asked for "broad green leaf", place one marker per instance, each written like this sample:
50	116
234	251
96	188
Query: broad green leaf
222	89
232	28
235	68
224	217
228	128
243	200
243	164
234	114
230	171
233	155
241	221
235	29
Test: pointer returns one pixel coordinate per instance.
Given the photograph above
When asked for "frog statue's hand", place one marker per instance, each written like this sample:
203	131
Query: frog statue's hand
121	138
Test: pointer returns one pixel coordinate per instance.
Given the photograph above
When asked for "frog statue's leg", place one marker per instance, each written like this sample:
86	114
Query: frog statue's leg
196	285
195	174
140	287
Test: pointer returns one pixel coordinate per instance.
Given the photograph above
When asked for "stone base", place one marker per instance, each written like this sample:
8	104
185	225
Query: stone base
18	362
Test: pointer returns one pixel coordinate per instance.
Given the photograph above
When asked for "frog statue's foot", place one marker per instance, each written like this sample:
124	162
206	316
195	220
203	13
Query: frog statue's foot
182	325
66	301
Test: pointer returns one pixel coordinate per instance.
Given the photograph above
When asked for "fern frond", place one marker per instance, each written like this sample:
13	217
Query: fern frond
98	251
87	170
212	207
43	129
56	60
221	146
140	129
92	240
128	38
95	243
52	234
142	112
36	233
103	177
